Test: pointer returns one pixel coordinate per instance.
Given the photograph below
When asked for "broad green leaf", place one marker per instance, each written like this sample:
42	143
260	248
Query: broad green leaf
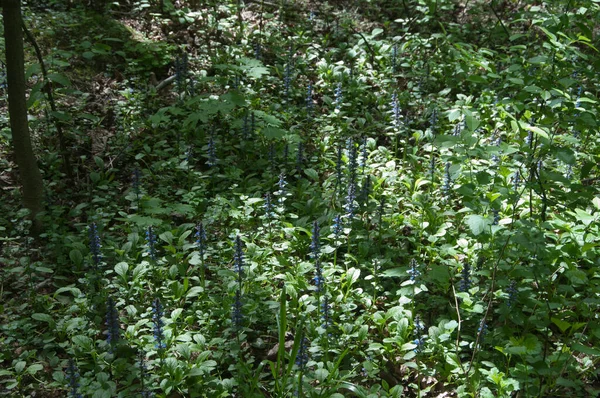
472	121
60	79
535	130
194	292
451	325
203	368
19	366
42	317
321	374
176	313
408	346
33	69
584	217
76	257
234	97
477	223
585	349
121	269
60	115
394	272
454	114
273	132
562	325
73	290
477	79
167	237
139	271
81	341
268	118
353	275
33	369
312	173
542	59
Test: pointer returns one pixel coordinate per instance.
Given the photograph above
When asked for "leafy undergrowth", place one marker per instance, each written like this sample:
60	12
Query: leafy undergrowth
323	203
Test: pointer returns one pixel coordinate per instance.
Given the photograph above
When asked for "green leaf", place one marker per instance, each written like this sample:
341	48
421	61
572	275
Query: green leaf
394	272
194	292
76	257
451	325
121	269
535	130
139	271
60	79
454	114
83	342
585	349
268	118
472	121
34	69
273	132
176	314
43	318
477	79
203	368
167	237
321	374
542	59
71	289
19	366
566	155
477	223
584	217
562	325
353	275
33	369
312	173
363	332
376	32
234	97
60	115
408	346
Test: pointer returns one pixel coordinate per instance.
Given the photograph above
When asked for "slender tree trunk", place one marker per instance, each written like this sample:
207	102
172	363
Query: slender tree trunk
29	173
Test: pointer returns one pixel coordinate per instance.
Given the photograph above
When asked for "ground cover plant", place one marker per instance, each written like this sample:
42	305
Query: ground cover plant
313	199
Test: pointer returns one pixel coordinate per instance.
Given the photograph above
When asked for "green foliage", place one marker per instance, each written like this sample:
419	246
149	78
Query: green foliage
448	155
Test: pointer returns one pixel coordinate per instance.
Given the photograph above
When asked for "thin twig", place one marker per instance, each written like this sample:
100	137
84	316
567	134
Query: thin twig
48	90
458	335
371	52
499	19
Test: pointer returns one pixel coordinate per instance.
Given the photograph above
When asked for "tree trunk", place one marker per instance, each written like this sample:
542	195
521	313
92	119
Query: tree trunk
29	173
